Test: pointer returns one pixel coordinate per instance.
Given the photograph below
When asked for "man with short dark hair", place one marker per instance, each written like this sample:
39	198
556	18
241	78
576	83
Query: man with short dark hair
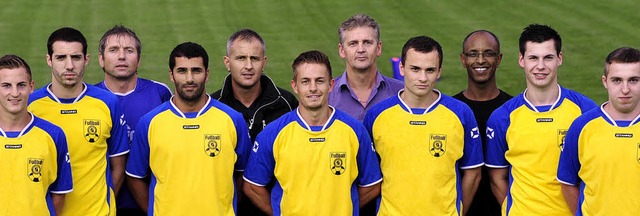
191	146
600	163
119	58
425	139
31	144
316	154
93	122
525	134
481	57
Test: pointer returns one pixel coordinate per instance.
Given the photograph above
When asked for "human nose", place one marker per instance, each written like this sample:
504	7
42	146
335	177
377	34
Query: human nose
121	54
481	58
625	88
68	64
248	64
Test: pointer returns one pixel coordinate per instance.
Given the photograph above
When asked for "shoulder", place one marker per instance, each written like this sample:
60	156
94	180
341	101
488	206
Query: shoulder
154	84
383	105
233	114
352	122
101	94
47	126
155	111
38	94
393	83
587	117
288	96
454	104
216	95
583	101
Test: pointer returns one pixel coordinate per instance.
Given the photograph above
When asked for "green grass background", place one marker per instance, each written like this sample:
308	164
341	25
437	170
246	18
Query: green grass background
590	30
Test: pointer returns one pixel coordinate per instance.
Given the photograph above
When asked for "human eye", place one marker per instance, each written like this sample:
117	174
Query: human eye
255	58
490	54
181	70
112	50
634	80
130	50
616	80
6	85
76	57
241	58
352	43
472	54
60	57
414	68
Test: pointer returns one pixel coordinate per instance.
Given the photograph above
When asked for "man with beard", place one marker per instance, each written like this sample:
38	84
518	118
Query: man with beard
481	57
191	146
119	58
321	159
92	120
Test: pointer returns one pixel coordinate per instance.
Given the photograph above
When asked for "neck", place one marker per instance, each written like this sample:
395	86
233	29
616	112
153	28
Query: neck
121	85
543	96
481	91
61	91
246	96
619	116
190	106
362	79
14	122
315	117
415	101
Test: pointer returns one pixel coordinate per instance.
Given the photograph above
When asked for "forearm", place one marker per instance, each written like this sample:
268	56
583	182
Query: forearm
470	182
140	190
260	197
366	194
58	202
117	172
570	193
499	183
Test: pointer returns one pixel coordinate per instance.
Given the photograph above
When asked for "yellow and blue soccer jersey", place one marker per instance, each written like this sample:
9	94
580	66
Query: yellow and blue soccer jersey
34	165
421	152
602	157
317	169
191	158
95	131
527	140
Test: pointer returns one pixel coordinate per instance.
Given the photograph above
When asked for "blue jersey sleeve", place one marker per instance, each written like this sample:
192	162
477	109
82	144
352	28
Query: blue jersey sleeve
496	139
569	164
118	143
243	145
138	161
261	163
472	156
367	160
64	181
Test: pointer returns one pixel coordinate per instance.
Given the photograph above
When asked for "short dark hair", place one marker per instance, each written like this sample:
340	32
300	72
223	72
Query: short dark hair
422	44
622	55
312	57
13	61
538	33
119	30
188	50
481	31
67	34
245	35
358	20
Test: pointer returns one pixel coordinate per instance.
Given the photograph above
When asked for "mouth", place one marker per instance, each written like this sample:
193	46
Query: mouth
247	75
481	70
540	75
363	58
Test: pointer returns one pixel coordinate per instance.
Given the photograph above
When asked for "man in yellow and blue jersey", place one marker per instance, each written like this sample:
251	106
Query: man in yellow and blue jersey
191	145
525	134
600	163
35	168
322	160
429	143
119	57
92	120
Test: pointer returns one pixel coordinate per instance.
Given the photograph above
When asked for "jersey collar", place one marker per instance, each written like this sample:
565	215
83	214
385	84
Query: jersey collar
612	121
408	109
53	96
122	94
534	108
326	124
24	130
181	114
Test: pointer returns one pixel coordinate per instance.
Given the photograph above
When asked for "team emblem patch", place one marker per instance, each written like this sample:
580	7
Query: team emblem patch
562	134
91	130
438	144
212	144
337	162
34	169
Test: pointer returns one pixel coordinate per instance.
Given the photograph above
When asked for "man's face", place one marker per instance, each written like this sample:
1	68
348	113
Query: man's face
67	63
420	71
481	57
360	48
623	87
312	85
540	63
189	77
120	58
15	87
245	62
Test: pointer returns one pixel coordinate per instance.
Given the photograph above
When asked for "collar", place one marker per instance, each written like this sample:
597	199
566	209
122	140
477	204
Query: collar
534	108
24	130
55	98
342	80
326	124
122	94
269	88
612	121
408	108
181	114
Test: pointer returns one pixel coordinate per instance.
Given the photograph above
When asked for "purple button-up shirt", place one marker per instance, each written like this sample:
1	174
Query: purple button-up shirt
343	98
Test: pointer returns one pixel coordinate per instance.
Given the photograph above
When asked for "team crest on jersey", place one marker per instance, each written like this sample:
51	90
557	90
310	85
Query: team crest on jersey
562	134
34	169
91	130
337	162
212	145
438	144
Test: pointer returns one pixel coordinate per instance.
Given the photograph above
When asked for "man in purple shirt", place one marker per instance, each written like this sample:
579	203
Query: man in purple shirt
361	85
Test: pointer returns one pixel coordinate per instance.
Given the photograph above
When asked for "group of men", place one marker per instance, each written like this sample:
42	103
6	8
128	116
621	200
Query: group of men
357	144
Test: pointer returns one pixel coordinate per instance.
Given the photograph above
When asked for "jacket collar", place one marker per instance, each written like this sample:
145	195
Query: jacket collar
269	89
